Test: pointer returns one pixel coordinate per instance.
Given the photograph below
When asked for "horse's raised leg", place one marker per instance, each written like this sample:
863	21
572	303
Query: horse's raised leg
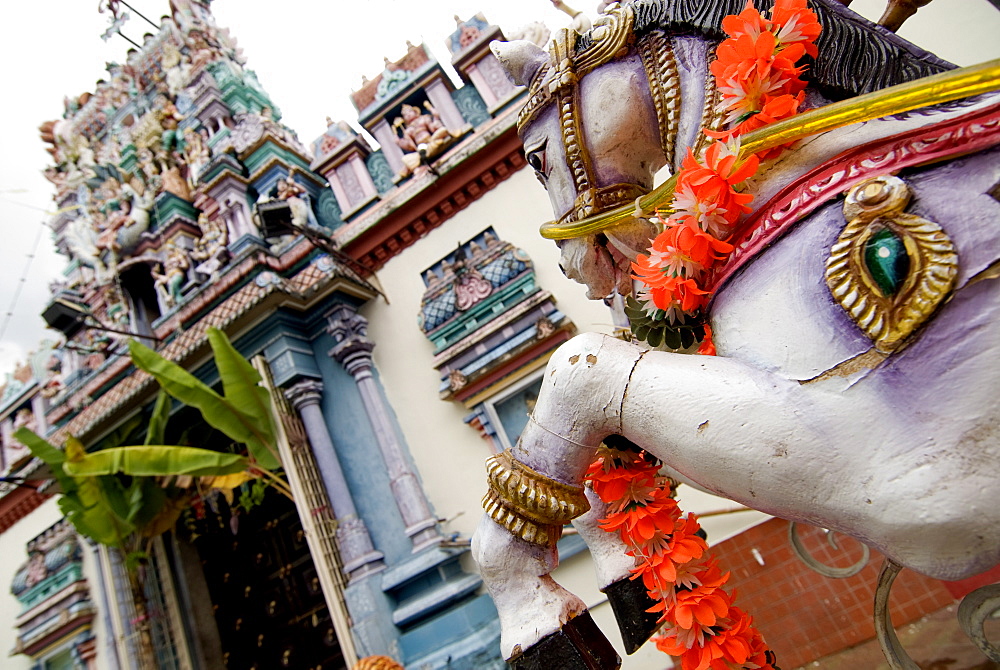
627	597
539	619
533	491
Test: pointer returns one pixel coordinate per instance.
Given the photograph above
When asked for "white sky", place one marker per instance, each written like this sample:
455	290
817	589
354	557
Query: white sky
308	55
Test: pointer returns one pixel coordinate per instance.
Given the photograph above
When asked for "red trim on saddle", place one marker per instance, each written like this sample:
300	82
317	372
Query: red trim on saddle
948	139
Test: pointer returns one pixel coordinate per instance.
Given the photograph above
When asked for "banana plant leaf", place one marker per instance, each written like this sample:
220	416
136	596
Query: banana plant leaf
166	517
156	431
48	454
146	501
241	388
156	460
87	516
217	411
92	509
121	435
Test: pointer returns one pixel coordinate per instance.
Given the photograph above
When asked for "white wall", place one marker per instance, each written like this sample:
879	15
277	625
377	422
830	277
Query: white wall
449	454
964	32
13	554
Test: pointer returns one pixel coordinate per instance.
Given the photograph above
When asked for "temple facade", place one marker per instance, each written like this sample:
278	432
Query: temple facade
402	308
398	300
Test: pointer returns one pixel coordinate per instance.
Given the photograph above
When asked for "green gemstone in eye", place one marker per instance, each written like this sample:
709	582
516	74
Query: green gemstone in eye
887	261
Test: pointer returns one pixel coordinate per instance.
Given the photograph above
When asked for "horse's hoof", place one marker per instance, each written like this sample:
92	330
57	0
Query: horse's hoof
629	601
578	645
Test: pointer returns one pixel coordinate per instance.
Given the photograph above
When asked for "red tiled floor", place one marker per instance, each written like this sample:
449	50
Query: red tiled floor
934	642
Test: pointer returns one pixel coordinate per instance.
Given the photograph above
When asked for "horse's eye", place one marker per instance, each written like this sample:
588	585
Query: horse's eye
536	159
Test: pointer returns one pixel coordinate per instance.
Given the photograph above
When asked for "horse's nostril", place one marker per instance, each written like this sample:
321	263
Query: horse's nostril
563	270
601	240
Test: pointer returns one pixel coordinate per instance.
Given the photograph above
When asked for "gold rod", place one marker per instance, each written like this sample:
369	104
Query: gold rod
934	90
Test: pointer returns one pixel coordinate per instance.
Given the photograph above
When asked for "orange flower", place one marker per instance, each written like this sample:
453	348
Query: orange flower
676	297
731	645
775	109
640	522
748	22
705	604
756	72
798	24
666	553
742	98
612	482
701	626
744	56
706	214
715	179
681	250
707	347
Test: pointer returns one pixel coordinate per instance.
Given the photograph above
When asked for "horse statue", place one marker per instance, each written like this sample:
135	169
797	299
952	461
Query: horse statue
828	403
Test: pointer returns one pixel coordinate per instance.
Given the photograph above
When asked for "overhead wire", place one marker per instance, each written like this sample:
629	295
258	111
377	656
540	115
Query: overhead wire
21	282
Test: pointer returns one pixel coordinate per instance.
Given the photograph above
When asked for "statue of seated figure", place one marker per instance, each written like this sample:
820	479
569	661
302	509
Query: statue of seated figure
421	136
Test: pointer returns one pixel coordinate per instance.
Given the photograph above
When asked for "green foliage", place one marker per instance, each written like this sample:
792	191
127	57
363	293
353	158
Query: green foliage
657	330
252	494
243	391
156	432
157	461
123	434
243	414
45	452
116	494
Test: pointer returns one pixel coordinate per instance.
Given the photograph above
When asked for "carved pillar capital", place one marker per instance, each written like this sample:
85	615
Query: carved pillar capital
353	349
304	393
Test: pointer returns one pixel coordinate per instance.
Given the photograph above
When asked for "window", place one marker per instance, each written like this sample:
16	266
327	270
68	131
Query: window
509	411
62	660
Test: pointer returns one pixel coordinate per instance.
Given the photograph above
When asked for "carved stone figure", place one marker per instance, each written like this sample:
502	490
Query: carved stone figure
196	154
470	285
210	248
289	191
171	280
177	67
16	452
807	412
137	201
81	237
36	570
422	136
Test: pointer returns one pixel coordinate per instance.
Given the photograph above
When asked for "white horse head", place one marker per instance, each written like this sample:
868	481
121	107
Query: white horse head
601	154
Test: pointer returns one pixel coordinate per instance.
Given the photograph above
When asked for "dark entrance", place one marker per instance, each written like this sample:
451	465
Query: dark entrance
265	591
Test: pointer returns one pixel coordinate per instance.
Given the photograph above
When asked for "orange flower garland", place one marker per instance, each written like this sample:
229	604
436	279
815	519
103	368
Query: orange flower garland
700	623
756	72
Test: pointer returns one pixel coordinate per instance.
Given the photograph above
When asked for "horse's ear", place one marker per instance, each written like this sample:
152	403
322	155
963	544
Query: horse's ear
520	59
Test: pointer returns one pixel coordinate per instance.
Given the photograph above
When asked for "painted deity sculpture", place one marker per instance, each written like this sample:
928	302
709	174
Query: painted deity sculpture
290	191
210	249
853	387
171	280
422	136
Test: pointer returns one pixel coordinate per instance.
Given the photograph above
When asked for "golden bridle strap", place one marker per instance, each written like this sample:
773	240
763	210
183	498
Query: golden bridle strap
559	83
934	90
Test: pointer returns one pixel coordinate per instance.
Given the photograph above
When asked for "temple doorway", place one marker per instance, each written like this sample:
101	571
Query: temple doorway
264	588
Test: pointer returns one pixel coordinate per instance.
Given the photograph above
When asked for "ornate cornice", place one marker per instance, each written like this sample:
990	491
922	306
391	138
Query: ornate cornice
387	230
251	301
18	504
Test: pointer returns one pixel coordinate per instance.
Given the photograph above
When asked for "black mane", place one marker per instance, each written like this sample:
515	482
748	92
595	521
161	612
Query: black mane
855	55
